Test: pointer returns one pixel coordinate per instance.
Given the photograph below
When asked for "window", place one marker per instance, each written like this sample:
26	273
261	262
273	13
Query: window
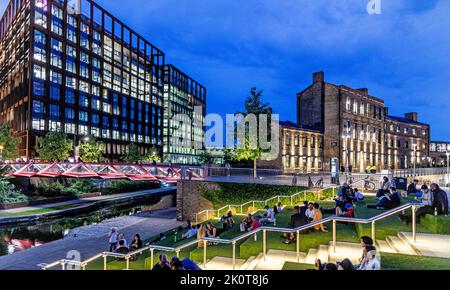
95	119
83	130
55	77
288	139
40	18
57	12
56	60
38	124
95	104
83	116
71	34
40	39
70	97
54	126
39	72
39	54
71	82
72	21
38	107
57	45
55	92
70	66
57	26
69	128
83	101
71	51
38	88
70	115
54	111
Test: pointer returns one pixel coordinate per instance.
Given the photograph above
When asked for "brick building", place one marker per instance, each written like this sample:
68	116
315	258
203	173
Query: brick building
438	152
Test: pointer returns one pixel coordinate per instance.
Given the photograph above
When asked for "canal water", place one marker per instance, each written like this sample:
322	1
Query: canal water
22	237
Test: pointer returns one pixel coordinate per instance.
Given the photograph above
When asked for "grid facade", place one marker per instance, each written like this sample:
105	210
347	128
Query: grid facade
78	70
185	98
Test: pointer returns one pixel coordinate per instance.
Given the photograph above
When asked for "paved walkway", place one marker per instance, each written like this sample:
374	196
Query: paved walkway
84	201
92	240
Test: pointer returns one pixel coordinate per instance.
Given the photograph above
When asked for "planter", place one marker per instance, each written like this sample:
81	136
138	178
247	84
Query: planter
89	195
35	202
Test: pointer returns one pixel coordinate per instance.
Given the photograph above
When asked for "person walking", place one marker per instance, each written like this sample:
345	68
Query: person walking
113	239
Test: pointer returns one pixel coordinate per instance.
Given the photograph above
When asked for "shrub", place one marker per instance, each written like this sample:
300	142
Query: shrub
50	188
79	187
124	185
9	193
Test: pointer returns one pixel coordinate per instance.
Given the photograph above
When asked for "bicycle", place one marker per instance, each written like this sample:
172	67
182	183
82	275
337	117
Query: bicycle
368	184
319	183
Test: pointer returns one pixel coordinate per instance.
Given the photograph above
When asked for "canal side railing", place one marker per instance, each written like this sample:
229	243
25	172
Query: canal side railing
64	264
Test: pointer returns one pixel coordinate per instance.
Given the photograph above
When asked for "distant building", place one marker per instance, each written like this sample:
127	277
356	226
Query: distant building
438	152
182	95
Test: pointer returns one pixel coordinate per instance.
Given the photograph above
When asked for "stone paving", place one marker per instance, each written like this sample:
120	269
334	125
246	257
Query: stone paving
92	240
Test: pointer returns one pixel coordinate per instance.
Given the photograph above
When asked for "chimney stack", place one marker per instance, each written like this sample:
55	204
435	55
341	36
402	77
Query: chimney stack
318	77
413	116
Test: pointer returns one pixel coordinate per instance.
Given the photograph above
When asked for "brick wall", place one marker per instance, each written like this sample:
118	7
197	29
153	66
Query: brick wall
189	199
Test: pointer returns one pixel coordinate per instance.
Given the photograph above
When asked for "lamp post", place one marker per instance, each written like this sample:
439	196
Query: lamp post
346	137
448	166
415	158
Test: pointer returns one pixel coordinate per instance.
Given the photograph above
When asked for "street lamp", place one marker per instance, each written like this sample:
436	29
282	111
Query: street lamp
447	153
415	158
346	137
1	153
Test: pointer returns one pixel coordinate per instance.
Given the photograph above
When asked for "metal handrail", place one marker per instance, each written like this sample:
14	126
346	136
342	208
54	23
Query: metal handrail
263	229
207	211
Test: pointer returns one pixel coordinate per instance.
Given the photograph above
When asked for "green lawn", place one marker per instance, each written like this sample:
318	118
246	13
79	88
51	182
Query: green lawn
392	262
38	211
387	227
249	247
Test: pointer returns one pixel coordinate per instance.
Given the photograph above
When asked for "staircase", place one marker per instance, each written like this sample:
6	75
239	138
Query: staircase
275	259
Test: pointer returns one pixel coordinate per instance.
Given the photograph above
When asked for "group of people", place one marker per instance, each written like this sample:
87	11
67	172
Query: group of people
251	222
118	244
369	261
387	195
175	264
433	198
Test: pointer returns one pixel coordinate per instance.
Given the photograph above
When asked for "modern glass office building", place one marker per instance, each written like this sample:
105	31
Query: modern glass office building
184	116
71	66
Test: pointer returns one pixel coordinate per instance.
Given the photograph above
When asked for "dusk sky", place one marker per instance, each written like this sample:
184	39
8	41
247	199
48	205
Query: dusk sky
402	55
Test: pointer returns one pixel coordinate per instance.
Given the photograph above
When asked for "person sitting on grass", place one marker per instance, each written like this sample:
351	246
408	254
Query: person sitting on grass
427	201
359	197
255	224
279	207
440	200
162	265
122	249
269	216
412	189
349	211
304	208
186	264
246	223
389	201
310	212
297	220
340	204
318	217
385	185
135	245
211	231
190	233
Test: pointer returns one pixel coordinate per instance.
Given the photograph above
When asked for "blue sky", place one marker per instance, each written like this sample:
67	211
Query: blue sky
230	46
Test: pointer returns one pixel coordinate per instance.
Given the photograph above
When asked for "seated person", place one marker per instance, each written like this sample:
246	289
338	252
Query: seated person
228	219
412	189
317	217
136	244
310	212
190	233
211	231
162	265
389	201
385	185
255	224
343	189
246	223
427	200
190	265
348	212
297	220
269	216
279	207
304	207
359	197
122	249
440	200
340	203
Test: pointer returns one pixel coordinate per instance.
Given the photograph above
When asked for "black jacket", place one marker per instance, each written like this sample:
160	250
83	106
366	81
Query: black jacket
412	188
298	220
440	201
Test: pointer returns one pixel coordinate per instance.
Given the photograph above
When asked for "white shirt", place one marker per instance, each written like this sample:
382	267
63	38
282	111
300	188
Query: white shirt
271	214
309	213
113	237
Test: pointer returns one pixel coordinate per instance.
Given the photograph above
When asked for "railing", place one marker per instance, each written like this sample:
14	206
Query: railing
410	172
214	213
334	219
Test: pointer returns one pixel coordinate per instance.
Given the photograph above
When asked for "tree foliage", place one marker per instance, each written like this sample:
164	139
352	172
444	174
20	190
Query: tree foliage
55	146
133	155
8	142
92	151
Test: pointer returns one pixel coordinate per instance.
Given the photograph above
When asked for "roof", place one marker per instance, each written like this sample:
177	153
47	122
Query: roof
292	125
406	120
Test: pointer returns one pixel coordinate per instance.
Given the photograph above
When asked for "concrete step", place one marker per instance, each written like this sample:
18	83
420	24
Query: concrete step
248	263
254	263
224	263
404	239
311	257
323	254
352	251
399	246
429	245
275	259
383	246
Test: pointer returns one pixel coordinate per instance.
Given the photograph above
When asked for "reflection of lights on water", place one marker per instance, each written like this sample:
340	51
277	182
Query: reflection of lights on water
66	232
11	249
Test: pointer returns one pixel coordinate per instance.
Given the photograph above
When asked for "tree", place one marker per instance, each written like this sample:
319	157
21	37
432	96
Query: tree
92	151
55	146
133	155
153	156
253	105
206	157
8	143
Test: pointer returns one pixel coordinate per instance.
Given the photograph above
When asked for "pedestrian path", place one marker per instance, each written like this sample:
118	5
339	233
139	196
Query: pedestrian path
93	241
